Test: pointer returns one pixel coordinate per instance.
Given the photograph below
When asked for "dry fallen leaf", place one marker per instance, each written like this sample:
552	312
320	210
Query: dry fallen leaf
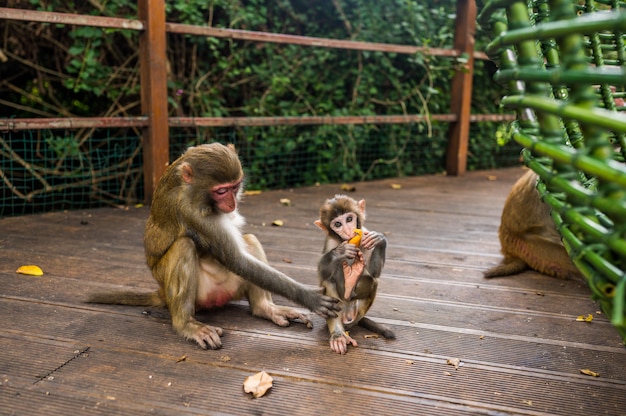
285	201
588	372
491	177
347	188
454	361
366	336
30	270
396	186
583	318
278	223
225	358
447	373
409	362
258	384
249	193
287	260
183	358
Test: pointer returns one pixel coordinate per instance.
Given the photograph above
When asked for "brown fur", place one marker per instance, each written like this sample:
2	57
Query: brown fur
200	258
528	237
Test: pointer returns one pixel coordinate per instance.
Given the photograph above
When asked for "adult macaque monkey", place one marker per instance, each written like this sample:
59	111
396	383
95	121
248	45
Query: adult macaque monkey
528	236
200	258
349	268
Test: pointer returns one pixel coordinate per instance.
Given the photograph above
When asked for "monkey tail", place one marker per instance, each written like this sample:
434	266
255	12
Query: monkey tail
377	328
507	267
128	297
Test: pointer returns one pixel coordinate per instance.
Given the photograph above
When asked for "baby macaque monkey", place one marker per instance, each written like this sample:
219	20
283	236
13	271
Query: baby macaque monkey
528	236
349	268
199	256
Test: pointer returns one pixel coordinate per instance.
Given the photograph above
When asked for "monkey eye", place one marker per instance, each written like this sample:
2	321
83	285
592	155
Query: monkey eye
337	224
349	218
225	189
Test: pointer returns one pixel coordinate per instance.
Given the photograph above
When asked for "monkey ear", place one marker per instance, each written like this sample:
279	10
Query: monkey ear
186	172
361	204
321	225
231	147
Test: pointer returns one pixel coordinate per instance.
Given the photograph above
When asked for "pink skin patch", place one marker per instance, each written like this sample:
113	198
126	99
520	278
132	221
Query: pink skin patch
215	299
352	273
225	196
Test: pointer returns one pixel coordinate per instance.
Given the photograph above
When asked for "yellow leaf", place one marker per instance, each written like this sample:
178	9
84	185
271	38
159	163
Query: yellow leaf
396	186
278	223
249	193
258	384
366	336
454	361
30	270
583	318
285	201
588	372
347	188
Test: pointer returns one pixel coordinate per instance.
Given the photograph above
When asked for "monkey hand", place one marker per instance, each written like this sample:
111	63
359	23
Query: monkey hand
208	337
324	306
346	252
372	239
339	342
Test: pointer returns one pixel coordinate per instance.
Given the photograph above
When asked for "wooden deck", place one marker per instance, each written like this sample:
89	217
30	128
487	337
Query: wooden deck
520	346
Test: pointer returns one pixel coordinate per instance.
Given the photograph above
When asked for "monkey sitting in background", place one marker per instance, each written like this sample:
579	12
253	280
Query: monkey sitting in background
200	258
528	236
349	269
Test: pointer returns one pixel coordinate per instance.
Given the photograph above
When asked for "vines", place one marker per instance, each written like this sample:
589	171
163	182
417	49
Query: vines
83	71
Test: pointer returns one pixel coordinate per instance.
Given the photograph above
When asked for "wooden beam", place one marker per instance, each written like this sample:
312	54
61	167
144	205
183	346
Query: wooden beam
152	50
461	96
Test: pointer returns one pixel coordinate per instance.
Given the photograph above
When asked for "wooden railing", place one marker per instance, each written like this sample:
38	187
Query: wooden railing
152	25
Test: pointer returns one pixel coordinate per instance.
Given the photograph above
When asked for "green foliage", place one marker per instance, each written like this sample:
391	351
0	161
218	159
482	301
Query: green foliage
94	72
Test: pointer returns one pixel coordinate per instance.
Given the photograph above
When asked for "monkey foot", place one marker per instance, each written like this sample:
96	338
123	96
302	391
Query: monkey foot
207	337
339	342
281	315
351	274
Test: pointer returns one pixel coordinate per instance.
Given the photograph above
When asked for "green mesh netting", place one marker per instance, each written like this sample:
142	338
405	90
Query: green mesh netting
44	171
562	62
60	169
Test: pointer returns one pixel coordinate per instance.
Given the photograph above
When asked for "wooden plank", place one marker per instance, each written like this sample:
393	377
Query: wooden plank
69	19
153	61
461	94
521	347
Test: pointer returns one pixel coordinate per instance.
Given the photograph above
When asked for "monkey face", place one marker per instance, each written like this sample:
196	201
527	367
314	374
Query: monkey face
225	196
344	225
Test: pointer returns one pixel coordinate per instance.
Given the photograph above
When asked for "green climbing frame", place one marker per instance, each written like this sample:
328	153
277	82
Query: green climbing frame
562	65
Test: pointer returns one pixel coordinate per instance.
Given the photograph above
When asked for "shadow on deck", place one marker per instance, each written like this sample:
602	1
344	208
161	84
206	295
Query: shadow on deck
520	346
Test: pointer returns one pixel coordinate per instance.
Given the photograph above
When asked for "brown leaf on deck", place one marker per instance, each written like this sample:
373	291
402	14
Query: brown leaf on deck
258	384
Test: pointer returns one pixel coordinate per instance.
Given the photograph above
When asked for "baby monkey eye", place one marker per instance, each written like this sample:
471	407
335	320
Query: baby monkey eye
337	224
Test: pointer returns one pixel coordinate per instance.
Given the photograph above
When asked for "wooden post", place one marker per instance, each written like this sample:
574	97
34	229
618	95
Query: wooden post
152	58
461	97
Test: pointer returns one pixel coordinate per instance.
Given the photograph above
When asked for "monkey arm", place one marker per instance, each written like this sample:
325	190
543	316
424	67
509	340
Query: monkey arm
225	243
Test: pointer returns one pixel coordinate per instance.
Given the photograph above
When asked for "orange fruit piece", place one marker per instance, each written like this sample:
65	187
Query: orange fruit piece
356	240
